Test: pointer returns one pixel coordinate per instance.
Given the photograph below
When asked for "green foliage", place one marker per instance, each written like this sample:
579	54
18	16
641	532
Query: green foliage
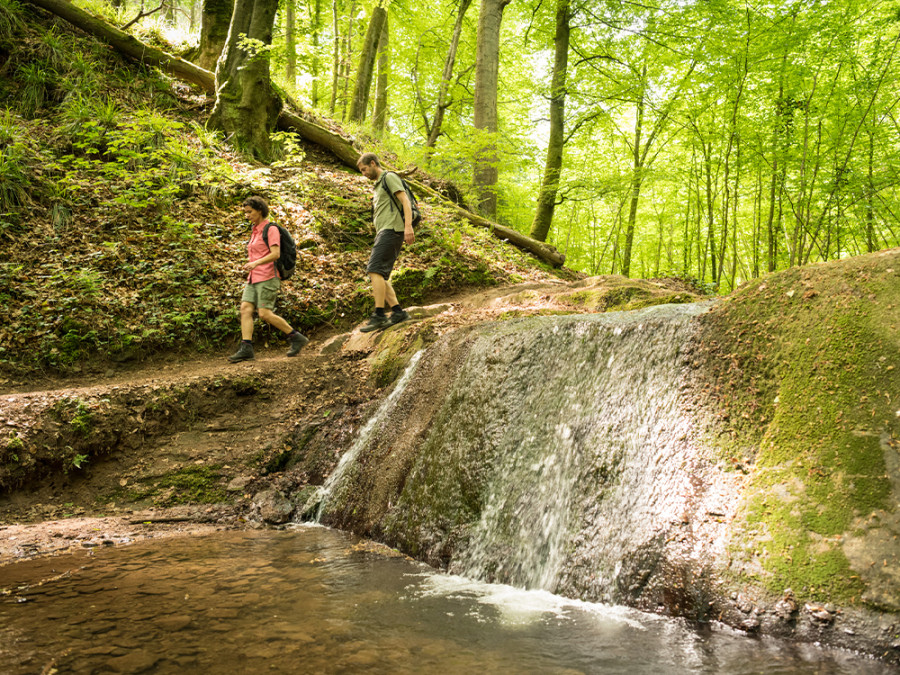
14	164
255	49
74	412
10	19
14	446
287	145
37	82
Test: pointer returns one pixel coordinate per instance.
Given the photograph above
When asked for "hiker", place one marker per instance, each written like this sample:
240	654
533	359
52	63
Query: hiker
393	227
263	282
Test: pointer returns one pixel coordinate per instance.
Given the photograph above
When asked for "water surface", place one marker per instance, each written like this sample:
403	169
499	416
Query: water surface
314	600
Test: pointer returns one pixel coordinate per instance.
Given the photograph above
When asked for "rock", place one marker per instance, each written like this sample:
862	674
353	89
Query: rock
333	345
136	662
273	506
752	623
223	613
173	623
819	613
786	608
239	483
745	604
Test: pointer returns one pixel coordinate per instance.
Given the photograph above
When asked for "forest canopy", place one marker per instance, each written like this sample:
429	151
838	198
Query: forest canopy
714	140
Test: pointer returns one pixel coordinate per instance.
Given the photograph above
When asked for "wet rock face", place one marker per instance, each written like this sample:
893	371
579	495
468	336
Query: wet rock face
560	457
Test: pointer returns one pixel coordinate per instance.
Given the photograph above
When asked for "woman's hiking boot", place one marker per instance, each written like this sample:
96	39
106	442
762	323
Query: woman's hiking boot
244	353
298	342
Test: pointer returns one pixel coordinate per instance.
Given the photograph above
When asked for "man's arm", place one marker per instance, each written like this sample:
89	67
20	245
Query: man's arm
408	235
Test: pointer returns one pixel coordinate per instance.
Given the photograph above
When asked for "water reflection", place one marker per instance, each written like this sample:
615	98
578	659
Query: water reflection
313	600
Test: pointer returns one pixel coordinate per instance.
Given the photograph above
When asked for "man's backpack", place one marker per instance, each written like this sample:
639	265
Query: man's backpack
414	205
287	263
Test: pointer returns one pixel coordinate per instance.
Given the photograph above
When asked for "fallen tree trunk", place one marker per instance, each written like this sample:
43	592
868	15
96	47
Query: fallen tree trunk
341	147
128	44
546	253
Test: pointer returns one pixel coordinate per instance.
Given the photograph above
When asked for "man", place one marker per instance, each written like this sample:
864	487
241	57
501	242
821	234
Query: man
263	282
393	227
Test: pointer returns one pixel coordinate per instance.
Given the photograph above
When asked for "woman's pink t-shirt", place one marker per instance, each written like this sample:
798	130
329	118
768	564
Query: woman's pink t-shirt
257	249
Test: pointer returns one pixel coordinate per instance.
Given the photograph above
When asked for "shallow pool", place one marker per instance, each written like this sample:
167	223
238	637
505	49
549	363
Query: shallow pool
314	600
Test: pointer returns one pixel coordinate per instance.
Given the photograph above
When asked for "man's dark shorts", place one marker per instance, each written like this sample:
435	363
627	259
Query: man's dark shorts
384	252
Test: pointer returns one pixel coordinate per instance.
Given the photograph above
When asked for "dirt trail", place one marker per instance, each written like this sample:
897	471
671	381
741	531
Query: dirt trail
218	423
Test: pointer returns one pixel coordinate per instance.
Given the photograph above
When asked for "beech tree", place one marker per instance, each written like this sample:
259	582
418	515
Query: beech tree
366	67
215	20
546	200
487	65
380	113
444	101
247	105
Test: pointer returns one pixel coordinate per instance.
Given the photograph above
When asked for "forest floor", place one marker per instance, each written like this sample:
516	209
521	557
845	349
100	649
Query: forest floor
226	433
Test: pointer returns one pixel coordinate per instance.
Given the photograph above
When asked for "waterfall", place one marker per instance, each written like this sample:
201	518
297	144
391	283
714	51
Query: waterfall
560	452
549	453
317	502
587	430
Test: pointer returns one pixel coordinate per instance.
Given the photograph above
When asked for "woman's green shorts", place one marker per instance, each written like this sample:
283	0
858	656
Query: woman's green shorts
262	293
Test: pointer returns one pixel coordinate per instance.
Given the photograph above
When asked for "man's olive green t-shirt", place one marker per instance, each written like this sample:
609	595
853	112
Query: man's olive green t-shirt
388	214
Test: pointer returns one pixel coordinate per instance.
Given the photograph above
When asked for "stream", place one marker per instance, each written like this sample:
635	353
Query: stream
314	600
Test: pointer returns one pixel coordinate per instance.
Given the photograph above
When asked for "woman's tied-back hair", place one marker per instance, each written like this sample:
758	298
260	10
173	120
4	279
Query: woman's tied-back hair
257	203
368	158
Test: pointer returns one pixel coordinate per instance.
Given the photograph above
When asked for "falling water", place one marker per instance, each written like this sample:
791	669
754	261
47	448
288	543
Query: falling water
317	502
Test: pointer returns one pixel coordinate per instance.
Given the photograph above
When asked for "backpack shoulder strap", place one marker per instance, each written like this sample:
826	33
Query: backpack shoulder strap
265	234
390	194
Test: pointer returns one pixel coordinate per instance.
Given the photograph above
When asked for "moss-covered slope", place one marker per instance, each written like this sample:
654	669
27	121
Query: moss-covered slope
805	375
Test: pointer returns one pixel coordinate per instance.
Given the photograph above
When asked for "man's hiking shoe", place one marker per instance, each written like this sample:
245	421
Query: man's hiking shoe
244	353
376	322
298	342
399	317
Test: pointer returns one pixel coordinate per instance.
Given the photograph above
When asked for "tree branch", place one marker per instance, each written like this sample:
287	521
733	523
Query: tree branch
141	15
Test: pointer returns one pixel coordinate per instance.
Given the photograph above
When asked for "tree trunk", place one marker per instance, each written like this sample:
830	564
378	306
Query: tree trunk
247	106
546	202
710	210
637	177
869	196
379	116
345	63
442	102
316	29
335	57
487	66
290	43
360	101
